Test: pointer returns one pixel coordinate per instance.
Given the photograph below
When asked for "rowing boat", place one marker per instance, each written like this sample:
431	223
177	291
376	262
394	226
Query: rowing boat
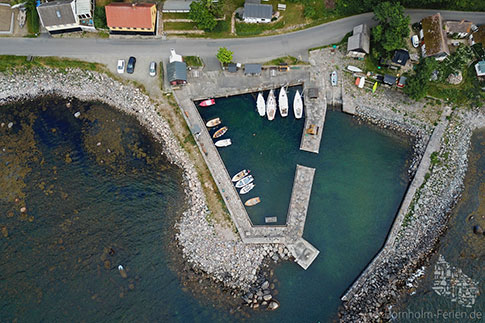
219	132
253	201
214	122
245	181
207	103
247	188
223	143
240	175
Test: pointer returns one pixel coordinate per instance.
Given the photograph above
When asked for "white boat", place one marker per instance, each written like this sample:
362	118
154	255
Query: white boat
271	105
354	69
223	143
298	105
333	78
283	102
245	181
247	188
261	105
240	175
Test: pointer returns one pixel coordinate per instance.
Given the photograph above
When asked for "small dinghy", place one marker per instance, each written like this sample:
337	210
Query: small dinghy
245	181
223	143
207	103
240	175
283	102
298	105
261	105
247	188
122	271
213	122
219	132
253	201
271	105
354	69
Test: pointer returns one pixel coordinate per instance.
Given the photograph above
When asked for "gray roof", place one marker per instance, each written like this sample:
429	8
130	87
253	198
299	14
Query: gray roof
363	28
389	79
177	71
56	13
254	10
177	5
359	43
252	68
253	1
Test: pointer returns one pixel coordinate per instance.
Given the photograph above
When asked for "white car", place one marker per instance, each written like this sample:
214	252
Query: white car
415	41
121	66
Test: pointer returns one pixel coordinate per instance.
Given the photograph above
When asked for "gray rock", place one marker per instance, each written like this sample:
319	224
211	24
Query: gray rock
265	285
267	297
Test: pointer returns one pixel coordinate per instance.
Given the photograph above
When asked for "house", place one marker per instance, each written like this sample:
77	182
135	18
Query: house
131	18
177	73
460	29
480	68
67	16
358	45
389	79
434	38
257	13
401	57
177	5
402	81
252	69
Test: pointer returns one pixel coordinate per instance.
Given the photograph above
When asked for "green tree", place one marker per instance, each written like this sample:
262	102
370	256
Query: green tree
418	85
393	26
224	55
200	14
100	17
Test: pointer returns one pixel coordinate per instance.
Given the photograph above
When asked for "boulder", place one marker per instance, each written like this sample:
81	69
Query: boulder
265	285
267	297
273	305
477	229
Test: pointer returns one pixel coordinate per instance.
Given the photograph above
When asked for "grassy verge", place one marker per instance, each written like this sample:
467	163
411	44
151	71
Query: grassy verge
10	62
32	20
290	60
193	61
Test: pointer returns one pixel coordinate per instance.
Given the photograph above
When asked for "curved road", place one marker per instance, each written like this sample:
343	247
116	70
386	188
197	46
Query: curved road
245	49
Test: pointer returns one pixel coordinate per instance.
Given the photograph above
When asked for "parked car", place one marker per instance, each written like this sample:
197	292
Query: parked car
130	68
121	66
415	41
152	69
333	78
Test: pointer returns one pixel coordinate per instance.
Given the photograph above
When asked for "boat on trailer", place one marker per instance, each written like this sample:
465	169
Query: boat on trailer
213	122
247	188
253	201
298	105
207	103
219	132
223	143
283	102
240	175
271	105
261	105
245	181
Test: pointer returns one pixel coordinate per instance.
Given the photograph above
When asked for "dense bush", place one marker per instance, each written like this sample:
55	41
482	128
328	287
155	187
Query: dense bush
100	18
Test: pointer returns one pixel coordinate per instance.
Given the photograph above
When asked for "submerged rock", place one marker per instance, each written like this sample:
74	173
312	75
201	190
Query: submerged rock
477	229
273	305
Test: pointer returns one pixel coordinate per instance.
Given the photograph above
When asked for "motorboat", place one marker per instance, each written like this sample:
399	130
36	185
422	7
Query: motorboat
253	201
297	105
207	103
247	188
213	122
261	105
223	143
245	181
334	78
219	132
271	105
283	102
240	175
354	69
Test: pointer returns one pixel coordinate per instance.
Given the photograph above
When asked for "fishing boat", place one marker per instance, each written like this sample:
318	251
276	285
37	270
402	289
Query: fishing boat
240	175
245	181
207	103
333	78
223	143
247	188
297	105
271	105
253	201
354	69
213	122
283	102
261	105
219	132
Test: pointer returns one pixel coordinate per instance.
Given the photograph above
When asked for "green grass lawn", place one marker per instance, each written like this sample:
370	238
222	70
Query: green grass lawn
179	26
175	15
290	60
194	61
10	62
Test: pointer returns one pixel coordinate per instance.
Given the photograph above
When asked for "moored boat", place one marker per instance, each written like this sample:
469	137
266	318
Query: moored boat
207	103
219	132
213	122
283	102
223	143
247	188
245	181
253	201
271	105
297	105
261	105
240	175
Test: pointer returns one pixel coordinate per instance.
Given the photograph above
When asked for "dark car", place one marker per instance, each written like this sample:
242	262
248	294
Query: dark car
130	68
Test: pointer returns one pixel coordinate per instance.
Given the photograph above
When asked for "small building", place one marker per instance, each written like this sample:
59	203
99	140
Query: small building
401	57
174	57
460	29
313	93
131	18
177	5
434	38
402	81
358	45
66	16
252	69
478	36
257	13
177	73
480	68
389	79
232	68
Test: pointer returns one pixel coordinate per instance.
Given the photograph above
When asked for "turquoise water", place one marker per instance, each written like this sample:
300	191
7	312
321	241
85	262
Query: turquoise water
359	183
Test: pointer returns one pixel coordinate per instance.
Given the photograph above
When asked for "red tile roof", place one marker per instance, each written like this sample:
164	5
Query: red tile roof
129	15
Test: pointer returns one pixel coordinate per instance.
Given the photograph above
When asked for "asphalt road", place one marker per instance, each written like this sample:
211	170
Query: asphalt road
256	49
